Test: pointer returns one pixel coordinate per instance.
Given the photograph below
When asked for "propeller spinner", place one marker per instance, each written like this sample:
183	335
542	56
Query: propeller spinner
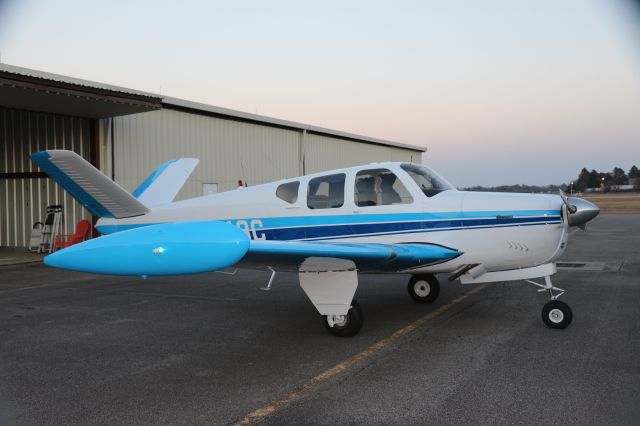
580	210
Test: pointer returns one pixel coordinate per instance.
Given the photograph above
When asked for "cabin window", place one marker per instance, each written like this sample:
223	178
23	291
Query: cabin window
379	187
288	192
429	181
326	192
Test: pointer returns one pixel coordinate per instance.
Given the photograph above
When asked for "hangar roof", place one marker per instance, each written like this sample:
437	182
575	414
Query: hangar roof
23	88
33	90
245	116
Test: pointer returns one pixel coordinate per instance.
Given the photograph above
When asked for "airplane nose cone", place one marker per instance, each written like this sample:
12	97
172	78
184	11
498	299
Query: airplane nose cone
585	211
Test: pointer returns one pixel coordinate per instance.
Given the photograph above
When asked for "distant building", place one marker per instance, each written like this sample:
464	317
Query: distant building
127	133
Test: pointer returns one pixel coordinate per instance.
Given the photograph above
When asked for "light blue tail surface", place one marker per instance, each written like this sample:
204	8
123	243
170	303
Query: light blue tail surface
88	185
162	186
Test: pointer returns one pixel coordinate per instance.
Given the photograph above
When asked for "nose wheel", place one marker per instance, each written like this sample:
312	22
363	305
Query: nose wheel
555	314
424	288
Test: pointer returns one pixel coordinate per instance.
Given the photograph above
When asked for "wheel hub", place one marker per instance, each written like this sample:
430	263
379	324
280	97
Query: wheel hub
556	315
422	288
336	320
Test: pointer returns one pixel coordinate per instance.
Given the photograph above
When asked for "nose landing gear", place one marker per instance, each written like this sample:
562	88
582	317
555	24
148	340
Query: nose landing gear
555	314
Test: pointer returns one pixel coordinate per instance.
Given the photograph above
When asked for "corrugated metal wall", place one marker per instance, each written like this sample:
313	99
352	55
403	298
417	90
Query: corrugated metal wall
23	201
228	150
326	153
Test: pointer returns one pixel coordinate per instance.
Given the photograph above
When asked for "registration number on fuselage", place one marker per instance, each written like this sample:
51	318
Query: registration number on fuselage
251	227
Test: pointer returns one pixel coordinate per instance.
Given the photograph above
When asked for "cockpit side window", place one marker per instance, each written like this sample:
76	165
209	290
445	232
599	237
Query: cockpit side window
429	181
288	192
379	187
326	192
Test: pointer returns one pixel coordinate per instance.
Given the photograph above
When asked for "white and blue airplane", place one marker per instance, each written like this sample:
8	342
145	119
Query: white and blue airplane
378	218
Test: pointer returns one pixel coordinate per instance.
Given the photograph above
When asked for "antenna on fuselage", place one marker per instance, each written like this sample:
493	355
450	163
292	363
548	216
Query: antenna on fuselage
244	178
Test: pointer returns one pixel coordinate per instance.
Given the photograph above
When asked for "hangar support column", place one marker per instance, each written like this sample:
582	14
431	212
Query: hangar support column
301	148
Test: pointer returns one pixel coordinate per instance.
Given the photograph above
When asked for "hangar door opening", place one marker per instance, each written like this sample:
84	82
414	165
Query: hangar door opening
25	192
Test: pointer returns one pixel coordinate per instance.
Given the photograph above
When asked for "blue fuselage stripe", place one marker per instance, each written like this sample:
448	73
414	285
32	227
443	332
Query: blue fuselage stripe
325	227
287	222
353	229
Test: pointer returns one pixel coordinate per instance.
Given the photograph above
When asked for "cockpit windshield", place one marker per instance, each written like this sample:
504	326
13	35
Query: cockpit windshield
429	181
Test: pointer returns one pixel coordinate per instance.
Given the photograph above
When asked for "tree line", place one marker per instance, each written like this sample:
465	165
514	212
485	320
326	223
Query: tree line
519	188
586	179
594	179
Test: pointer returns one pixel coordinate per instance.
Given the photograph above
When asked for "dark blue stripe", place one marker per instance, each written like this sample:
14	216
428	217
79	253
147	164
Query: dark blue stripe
434	230
355	230
397	228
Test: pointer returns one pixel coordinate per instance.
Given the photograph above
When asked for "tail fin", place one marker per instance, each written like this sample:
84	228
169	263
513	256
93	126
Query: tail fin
88	185
162	186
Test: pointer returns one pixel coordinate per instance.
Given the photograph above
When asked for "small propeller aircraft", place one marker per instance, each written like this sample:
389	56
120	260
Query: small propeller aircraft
378	218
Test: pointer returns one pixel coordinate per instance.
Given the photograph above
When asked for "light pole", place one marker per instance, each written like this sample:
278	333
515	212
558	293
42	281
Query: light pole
571	188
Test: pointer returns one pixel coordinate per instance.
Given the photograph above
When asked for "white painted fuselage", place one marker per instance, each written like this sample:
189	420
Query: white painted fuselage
501	231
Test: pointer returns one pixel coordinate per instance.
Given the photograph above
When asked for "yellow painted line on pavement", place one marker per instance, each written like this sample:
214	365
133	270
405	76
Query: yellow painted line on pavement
321	378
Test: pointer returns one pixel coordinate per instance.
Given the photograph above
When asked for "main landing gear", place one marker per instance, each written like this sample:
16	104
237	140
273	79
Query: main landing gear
345	325
424	288
555	314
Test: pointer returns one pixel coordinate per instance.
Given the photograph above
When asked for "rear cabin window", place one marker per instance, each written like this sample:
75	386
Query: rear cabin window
326	192
379	187
288	192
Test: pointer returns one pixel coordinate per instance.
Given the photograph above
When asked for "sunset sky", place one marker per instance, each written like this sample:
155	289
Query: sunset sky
500	92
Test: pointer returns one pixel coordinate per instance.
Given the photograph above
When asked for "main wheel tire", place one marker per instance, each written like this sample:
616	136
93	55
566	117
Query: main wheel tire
557	314
349	326
424	288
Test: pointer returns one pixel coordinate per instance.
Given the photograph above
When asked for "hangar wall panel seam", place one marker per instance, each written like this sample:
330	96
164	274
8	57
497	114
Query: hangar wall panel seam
230	150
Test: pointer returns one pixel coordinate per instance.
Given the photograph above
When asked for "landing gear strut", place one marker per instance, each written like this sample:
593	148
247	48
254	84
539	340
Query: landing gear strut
345	325
424	288
555	314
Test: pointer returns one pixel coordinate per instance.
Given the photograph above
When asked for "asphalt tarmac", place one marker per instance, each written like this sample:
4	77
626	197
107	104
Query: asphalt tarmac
214	349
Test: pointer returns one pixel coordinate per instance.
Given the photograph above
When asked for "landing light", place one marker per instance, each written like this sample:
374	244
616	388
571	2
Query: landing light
158	250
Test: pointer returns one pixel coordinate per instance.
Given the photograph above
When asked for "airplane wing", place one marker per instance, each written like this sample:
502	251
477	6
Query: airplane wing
328	272
194	247
367	257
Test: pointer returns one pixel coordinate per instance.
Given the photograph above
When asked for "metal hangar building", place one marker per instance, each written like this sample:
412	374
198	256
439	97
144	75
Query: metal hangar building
128	133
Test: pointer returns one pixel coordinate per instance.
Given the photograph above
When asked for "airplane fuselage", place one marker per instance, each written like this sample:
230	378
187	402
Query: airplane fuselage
499	230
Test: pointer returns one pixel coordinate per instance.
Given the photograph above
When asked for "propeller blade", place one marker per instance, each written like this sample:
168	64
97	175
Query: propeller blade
570	207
